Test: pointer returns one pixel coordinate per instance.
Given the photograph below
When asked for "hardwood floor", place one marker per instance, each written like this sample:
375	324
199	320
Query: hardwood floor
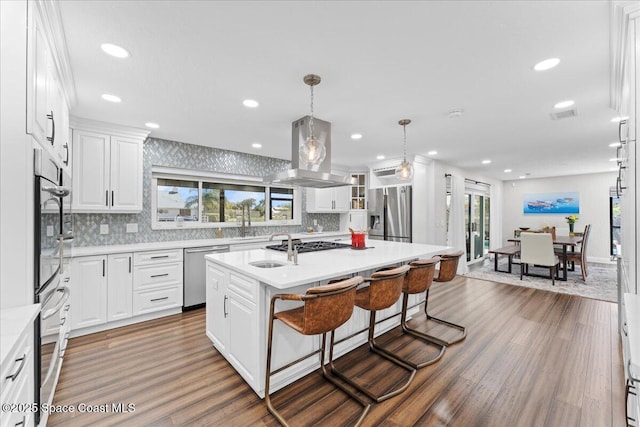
531	358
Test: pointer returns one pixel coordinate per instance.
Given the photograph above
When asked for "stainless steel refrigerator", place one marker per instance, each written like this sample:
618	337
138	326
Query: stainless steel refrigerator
390	213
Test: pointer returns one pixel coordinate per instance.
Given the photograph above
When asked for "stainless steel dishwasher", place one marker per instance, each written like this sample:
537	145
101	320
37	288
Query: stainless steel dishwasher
194	274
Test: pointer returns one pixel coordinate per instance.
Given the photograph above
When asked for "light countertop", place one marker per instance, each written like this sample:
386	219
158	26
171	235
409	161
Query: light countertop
179	244
321	265
13	321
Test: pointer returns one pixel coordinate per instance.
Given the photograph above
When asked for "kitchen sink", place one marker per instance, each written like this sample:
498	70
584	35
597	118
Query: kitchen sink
267	264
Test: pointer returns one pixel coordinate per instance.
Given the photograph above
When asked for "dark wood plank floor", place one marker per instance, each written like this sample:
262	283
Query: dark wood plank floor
531	358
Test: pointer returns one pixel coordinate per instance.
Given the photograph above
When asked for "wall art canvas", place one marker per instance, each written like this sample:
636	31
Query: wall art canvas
551	203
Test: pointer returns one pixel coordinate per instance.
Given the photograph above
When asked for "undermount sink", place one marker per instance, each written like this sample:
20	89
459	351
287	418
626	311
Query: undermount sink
267	264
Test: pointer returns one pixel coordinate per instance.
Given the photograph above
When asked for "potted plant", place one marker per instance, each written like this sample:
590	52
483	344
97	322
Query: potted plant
571	219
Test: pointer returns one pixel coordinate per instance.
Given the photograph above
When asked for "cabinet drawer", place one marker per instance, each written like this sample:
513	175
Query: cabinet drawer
156	299
157	275
21	394
20	364
154	257
247	288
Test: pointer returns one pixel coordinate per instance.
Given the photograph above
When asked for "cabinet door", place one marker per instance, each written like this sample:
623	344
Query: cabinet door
37	86
243	352
217	307
63	142
119	286
90	171
323	199
88	291
341	198
126	174
358	220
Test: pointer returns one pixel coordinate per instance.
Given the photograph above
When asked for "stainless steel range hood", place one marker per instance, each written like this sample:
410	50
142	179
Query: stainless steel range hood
302	175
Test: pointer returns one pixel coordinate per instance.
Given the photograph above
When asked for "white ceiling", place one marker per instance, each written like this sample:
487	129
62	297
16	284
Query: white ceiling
193	63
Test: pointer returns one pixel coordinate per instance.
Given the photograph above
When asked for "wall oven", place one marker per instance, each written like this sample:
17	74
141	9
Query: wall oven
50	281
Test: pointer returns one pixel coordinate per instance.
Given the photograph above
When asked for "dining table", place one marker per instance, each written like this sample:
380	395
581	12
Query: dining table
567	242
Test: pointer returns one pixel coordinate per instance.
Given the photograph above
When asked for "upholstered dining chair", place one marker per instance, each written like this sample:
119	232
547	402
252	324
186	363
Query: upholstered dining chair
580	257
537	249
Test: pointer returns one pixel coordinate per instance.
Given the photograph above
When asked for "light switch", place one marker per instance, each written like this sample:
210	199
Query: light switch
104	228
132	228
49	230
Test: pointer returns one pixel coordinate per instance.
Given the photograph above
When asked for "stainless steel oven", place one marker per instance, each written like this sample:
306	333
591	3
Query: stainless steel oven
50	290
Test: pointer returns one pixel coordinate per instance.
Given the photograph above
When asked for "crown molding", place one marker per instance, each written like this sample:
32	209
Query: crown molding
90	125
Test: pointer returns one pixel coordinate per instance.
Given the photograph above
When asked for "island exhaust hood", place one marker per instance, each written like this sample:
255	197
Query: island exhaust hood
303	175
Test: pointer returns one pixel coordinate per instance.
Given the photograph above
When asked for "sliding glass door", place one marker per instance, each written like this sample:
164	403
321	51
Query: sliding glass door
477	208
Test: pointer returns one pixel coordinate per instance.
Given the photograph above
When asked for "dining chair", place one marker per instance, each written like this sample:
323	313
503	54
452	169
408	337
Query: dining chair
537	249
580	257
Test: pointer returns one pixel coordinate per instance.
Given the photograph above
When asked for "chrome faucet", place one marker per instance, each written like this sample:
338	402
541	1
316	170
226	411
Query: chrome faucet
292	253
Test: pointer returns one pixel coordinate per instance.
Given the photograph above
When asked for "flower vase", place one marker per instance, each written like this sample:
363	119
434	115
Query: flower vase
571	229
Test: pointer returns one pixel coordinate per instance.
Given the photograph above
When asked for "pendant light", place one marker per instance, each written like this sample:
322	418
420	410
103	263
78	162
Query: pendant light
312	151
405	170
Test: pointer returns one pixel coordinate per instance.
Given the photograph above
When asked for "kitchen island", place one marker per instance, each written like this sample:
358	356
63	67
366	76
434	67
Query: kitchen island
239	294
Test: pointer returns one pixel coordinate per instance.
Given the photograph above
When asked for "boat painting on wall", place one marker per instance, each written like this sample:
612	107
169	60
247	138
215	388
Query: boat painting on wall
551	203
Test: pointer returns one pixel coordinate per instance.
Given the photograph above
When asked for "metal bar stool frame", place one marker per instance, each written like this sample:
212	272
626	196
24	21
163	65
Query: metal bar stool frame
392	277
312	328
448	268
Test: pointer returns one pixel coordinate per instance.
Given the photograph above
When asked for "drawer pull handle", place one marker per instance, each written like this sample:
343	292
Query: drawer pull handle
21	423
224	307
159	299
22	360
160	256
159	275
64	319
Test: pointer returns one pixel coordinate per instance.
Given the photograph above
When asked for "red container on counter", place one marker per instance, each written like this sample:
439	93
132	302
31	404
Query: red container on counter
357	240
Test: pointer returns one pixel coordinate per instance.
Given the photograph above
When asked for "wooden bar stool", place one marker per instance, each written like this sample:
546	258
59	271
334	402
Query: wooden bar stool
325	309
448	268
383	291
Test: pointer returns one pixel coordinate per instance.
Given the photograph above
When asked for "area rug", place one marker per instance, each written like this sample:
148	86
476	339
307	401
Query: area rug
600	284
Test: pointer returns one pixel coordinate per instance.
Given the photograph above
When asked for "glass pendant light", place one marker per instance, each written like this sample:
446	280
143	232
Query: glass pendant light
312	151
405	170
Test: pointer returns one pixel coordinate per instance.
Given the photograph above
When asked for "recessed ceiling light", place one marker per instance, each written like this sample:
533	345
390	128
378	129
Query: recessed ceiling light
432	153
564	104
114	50
619	119
380	157
615	144
486	162
507	170
614	159
111	98
152	125
613	169
522	176
256	145
250	103
356	136
547	64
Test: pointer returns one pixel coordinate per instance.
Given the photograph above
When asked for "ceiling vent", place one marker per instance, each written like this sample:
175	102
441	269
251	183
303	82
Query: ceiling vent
564	114
384	172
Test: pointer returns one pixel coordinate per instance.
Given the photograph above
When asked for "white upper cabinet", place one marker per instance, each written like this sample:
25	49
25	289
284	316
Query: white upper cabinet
334	200
107	169
47	97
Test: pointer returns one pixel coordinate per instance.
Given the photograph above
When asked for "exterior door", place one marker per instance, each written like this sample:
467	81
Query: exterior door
477	207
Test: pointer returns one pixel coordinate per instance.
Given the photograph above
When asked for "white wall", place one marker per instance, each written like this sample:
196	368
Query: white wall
594	208
16	162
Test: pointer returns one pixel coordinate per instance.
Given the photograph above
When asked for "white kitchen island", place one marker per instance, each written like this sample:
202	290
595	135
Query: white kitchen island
239	294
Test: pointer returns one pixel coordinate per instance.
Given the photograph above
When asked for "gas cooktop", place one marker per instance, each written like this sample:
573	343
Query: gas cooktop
309	246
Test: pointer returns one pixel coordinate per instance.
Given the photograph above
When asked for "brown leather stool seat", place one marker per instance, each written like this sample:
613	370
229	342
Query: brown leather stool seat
325	309
383	291
448	268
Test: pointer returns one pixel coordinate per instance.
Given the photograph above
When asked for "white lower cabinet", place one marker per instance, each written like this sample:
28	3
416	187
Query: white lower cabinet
119	286
232	320
157	281
88	291
17	381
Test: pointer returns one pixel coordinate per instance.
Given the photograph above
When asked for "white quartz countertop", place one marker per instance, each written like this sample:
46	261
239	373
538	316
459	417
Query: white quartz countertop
321	265
180	244
12	322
